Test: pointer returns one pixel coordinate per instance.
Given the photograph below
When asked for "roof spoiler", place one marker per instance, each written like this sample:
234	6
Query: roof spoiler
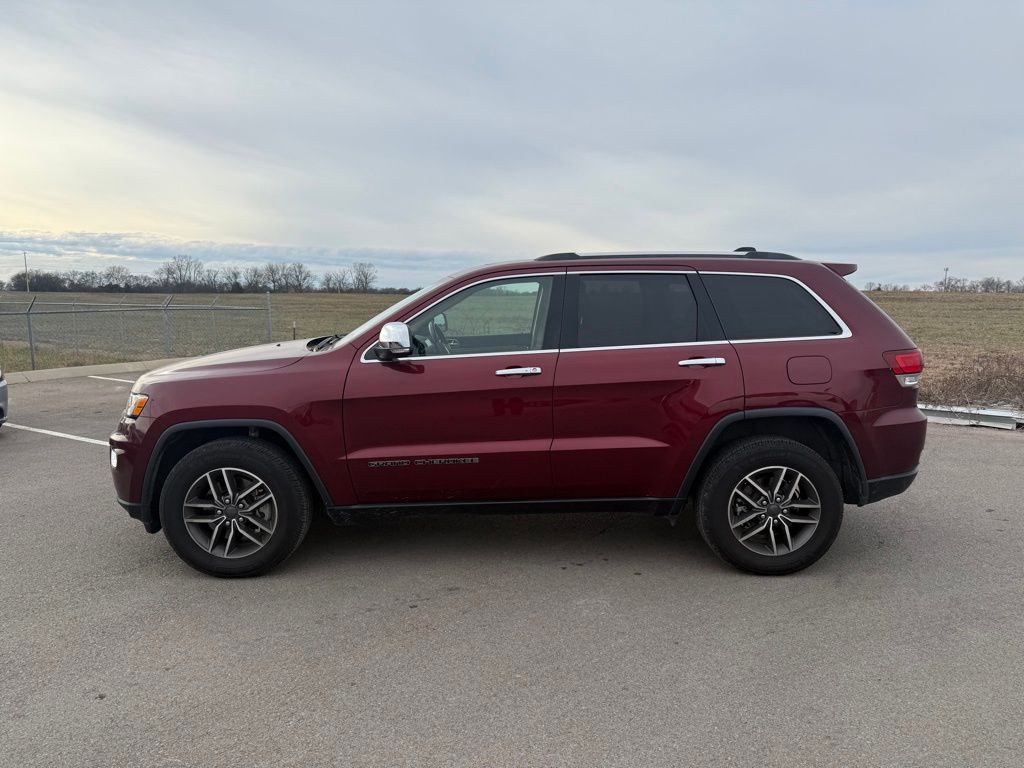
842	270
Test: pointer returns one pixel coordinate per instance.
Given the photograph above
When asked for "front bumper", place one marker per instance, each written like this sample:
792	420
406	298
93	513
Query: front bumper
134	510
128	460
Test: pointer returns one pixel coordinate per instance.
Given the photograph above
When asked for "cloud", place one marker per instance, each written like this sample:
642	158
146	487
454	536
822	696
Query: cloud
144	253
439	135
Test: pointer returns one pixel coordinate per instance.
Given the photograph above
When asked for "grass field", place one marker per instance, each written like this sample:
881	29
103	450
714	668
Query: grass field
973	343
111	338
951	327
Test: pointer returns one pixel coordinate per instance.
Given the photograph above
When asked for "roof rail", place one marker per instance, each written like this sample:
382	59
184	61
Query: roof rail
745	252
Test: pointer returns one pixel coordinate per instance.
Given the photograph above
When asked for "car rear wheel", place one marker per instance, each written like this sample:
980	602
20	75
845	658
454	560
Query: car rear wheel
769	505
235	507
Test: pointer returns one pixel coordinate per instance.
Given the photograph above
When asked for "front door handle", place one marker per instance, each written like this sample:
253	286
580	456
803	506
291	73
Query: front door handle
702	361
530	371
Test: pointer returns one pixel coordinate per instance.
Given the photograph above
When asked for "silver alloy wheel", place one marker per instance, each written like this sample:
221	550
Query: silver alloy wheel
230	512
774	510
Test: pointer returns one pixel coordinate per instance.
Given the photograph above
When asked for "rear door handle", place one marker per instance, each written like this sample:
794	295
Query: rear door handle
702	361
529	371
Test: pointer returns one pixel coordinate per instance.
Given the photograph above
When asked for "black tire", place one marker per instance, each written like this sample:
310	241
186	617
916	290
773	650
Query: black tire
729	468
268	462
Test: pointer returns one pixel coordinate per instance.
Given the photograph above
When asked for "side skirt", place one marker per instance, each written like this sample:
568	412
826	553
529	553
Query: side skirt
353	514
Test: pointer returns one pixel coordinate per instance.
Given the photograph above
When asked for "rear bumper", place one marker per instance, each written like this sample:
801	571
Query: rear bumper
890	440
893	485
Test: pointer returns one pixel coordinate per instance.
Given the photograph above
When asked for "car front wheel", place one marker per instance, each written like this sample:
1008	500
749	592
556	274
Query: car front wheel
235	507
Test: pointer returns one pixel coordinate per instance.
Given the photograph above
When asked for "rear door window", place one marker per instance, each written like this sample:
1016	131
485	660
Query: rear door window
617	310
767	307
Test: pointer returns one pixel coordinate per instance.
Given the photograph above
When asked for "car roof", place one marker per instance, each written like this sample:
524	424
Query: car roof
742	260
746	252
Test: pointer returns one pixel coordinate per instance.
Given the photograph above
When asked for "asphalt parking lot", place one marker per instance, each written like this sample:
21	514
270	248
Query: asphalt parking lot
584	640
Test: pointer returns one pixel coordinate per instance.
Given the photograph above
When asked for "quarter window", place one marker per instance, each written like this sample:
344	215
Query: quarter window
496	316
765	307
615	310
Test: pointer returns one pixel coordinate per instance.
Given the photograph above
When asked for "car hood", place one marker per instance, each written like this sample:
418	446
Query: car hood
265	357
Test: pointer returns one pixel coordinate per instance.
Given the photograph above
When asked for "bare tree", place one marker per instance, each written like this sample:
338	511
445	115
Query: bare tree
212	279
181	273
231	279
364	275
117	278
297	278
274	275
254	279
336	280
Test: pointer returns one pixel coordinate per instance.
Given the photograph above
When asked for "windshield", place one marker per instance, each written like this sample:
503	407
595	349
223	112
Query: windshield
412	298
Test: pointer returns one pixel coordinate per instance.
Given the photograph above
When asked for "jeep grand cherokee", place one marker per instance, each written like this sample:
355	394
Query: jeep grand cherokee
763	389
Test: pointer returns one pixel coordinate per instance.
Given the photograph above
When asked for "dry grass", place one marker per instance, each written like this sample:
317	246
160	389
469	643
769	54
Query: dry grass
994	379
973	343
313	313
105	338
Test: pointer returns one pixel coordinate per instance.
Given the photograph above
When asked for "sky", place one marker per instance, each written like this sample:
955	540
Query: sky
428	137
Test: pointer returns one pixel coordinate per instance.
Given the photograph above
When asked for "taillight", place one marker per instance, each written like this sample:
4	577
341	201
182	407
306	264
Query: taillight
907	365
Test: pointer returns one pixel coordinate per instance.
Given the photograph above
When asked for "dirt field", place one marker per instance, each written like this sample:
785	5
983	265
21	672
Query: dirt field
962	334
950	327
973	344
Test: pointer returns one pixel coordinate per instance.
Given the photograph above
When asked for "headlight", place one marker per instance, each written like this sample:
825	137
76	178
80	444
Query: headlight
136	403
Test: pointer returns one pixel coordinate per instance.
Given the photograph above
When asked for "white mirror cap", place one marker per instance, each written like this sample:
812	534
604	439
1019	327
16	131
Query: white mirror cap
395	336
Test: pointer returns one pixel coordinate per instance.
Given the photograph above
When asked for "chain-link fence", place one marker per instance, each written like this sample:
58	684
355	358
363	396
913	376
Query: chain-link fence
45	334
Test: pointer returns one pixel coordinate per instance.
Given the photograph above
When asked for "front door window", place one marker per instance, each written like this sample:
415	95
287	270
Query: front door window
493	317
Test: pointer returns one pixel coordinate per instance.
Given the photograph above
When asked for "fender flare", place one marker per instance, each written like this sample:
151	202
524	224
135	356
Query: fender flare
767	413
149	516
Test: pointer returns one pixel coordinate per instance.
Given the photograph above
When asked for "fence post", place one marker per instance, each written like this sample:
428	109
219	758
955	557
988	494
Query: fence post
124	326
168	343
31	340
213	322
270	320
74	327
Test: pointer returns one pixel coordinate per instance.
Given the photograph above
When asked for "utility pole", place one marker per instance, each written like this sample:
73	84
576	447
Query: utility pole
945	281
25	256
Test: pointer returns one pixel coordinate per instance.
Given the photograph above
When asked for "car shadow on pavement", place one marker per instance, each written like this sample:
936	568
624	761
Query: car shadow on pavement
540	538
564	540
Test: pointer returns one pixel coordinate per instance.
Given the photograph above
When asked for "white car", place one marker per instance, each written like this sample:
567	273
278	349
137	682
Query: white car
3	398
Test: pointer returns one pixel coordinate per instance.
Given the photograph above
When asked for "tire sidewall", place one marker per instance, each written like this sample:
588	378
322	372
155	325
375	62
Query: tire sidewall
715	508
275	474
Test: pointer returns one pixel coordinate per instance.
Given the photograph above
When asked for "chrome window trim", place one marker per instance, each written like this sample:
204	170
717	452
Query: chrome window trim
365	352
647	346
628	271
844	328
845	331
411	359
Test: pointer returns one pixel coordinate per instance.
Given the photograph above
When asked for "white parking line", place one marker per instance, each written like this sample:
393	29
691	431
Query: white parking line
107	378
57	434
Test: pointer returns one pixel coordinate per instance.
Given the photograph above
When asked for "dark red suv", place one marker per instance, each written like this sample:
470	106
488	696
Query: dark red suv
762	388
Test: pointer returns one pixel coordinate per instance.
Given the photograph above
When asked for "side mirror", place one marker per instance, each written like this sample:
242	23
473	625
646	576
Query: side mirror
394	341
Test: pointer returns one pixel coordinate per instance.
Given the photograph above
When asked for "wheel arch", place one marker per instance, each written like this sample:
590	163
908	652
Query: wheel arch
178	439
820	429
